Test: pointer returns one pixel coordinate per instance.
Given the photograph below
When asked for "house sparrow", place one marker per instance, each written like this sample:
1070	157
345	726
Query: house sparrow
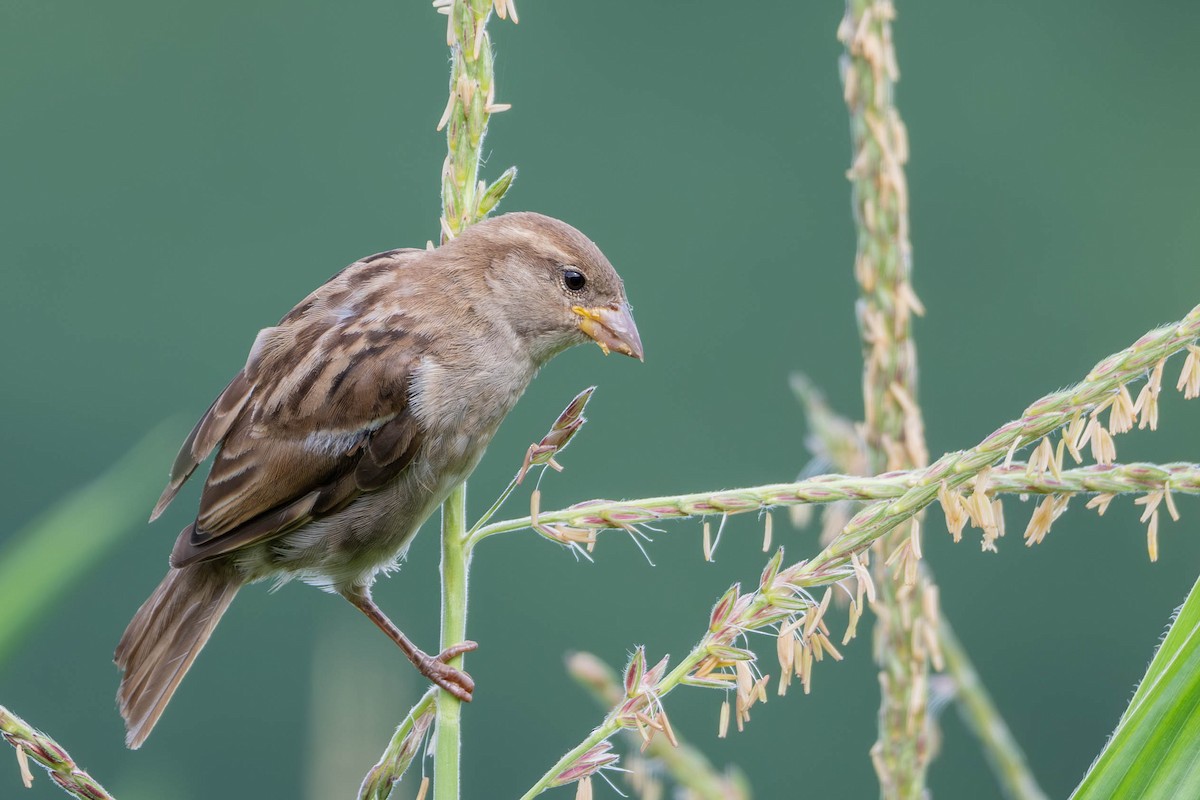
351	422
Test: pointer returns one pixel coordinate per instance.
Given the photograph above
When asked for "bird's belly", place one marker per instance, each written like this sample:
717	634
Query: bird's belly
347	549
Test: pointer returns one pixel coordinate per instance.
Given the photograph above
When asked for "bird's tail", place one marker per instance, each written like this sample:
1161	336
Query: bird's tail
164	638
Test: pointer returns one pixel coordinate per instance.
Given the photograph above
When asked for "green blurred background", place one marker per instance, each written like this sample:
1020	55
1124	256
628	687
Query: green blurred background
177	174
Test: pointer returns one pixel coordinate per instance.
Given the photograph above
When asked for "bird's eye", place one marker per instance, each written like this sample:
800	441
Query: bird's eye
574	280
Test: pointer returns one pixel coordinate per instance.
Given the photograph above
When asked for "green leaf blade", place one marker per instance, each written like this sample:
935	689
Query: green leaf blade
1155	750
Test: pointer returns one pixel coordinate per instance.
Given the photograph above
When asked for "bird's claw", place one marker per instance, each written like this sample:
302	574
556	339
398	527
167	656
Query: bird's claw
456	650
453	680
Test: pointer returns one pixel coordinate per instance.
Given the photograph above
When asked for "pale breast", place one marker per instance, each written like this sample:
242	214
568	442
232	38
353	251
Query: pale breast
459	411
473	395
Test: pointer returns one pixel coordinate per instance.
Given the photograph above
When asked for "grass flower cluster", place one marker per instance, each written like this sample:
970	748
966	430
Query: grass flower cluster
32	744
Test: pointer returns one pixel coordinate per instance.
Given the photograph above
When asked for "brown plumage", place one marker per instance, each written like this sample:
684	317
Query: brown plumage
352	420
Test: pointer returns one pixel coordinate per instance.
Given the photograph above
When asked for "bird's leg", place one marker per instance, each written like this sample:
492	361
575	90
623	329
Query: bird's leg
435	668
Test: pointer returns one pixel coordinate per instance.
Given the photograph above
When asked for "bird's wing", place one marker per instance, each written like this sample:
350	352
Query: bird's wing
319	415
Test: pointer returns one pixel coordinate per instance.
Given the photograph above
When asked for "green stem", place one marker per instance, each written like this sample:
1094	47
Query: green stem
470	105
456	561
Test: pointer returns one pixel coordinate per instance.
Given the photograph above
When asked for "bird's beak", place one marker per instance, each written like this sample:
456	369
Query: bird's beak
612	328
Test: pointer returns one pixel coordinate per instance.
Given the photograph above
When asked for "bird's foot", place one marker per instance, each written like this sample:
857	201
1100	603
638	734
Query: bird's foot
454	681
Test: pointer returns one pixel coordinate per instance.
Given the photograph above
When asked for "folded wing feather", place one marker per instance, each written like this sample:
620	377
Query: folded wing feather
307	426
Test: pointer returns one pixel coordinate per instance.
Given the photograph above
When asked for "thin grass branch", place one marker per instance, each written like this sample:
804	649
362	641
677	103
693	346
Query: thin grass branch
893	429
471	103
1135	478
51	756
401	750
1067	409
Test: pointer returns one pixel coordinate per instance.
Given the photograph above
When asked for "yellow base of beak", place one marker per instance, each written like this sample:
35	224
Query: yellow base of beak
612	328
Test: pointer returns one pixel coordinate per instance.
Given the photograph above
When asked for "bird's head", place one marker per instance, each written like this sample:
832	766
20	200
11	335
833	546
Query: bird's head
552	284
